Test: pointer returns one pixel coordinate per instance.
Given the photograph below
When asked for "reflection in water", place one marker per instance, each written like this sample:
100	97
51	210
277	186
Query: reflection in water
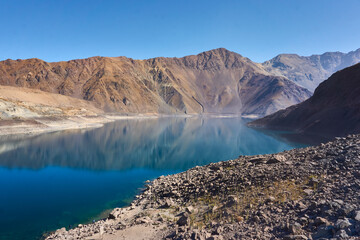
53	180
165	143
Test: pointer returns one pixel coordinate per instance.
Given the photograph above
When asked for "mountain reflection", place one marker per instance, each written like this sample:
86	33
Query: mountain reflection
163	143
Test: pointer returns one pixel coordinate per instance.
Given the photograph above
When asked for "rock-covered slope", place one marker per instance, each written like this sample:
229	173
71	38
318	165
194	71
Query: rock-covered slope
309	193
310	71
333	110
216	81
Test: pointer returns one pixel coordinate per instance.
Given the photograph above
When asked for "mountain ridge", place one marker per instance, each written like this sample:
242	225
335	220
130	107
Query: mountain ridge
209	82
332	111
310	71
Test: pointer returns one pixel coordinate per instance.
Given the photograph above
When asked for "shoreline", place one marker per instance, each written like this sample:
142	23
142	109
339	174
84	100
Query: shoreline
307	193
36	126
31	127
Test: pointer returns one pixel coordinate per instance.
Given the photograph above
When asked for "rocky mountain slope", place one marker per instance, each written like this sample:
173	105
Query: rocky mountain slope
309	193
216	81
333	110
310	71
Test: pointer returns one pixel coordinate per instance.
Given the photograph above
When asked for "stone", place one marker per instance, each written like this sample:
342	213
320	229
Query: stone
357	215
295	228
257	160
341	234
304	221
321	221
308	191
323	232
295	237
189	209
231	201
270	199
183	220
276	159
339	201
301	205
342	223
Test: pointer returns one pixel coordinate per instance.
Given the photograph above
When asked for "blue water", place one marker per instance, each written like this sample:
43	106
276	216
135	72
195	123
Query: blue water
71	177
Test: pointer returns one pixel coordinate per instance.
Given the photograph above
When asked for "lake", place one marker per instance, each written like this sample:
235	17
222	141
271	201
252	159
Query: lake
65	178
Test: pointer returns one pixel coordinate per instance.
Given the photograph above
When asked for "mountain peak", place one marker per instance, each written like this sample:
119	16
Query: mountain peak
217	59
219	51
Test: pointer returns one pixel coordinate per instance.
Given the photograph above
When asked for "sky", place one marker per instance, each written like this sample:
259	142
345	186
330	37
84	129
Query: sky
258	29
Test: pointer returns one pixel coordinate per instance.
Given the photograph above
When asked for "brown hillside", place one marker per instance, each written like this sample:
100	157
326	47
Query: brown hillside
216	81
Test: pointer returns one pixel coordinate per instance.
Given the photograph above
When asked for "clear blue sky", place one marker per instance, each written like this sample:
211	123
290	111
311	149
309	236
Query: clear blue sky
67	29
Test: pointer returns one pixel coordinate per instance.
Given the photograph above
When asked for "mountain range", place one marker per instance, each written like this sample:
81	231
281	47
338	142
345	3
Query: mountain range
333	110
310	71
215	81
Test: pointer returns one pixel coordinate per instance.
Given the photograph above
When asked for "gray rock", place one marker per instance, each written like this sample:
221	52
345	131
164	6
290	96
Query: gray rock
341	234
357	215
342	223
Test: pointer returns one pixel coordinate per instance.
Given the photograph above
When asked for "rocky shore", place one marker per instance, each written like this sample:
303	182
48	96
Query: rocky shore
309	193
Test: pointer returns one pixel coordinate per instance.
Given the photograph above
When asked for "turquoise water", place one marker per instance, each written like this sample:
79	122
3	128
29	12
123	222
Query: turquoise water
71	177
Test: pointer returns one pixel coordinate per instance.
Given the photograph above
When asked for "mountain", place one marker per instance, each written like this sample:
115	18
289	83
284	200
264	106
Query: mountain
216	81
309	72
333	110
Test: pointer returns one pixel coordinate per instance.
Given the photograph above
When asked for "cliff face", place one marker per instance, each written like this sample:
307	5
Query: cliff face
310	71
333	110
216	81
